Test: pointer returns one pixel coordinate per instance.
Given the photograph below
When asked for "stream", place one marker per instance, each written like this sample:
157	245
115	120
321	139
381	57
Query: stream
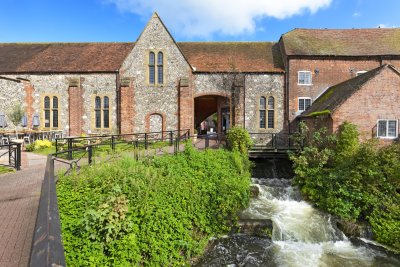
301	235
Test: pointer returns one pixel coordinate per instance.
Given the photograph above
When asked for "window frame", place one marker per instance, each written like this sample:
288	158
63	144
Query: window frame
156	70
304	72
387	129
303	98
100	110
269	109
262	109
50	111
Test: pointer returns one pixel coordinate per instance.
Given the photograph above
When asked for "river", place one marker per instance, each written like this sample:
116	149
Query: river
301	235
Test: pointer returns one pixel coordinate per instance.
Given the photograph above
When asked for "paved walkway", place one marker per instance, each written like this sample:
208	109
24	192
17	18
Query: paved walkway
19	200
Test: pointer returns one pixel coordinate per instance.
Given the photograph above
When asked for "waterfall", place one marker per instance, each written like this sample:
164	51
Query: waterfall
301	235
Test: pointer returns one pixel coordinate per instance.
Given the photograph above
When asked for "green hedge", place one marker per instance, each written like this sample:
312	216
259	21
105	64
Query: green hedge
158	212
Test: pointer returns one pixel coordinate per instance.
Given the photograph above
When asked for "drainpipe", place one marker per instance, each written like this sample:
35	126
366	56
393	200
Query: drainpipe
118	100
244	102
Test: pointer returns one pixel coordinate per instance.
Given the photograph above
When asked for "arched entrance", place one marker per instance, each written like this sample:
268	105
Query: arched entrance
212	114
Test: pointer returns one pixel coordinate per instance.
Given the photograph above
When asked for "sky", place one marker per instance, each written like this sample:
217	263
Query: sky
187	20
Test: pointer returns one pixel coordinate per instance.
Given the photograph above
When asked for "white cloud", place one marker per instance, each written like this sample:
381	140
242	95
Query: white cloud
205	17
356	14
386	26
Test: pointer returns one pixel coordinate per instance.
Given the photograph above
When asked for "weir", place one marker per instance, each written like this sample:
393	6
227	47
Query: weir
301	235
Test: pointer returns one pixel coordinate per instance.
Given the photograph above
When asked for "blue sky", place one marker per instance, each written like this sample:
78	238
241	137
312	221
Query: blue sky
187	20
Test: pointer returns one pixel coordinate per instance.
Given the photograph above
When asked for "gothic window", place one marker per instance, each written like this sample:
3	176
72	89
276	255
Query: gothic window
271	112
262	112
106	113
97	111
160	68
152	72
102	112
50	110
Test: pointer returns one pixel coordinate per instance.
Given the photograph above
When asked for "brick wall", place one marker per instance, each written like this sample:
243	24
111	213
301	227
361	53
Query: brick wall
29	90
76	110
127	109
325	73
379	98
186	106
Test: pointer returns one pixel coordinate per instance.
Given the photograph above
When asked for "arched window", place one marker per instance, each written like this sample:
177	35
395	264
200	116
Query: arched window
271	112
97	111
160	69
55	111
50	108
262	112
46	111
106	116
152	73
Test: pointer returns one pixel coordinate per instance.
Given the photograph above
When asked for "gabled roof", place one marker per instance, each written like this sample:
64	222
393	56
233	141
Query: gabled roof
350	42
62	57
233	56
336	95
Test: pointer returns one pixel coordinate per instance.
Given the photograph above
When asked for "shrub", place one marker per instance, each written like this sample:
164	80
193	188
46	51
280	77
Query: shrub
156	212
239	139
38	145
357	182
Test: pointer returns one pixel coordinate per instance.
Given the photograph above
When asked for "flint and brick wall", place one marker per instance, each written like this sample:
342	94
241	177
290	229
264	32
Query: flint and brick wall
12	93
160	99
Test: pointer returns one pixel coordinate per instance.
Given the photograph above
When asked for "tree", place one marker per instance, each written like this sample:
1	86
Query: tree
16	115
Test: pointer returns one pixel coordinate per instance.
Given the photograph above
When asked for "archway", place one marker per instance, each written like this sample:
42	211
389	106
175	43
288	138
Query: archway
212	114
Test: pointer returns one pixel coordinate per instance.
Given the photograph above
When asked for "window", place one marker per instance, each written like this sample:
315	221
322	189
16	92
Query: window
160	70
304	77
50	110
97	111
267	112
102	112
156	68
387	129
304	103
271	111
262	112
152	73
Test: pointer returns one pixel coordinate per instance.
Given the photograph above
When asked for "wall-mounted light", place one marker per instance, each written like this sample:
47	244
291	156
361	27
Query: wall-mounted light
316	71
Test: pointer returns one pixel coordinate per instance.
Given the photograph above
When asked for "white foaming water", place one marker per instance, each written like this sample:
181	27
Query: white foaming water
303	236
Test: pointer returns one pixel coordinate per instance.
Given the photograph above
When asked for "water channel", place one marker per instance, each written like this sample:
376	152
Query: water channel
301	235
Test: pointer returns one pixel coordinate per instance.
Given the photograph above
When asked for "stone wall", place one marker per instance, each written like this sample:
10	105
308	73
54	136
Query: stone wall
12	93
256	86
58	85
157	98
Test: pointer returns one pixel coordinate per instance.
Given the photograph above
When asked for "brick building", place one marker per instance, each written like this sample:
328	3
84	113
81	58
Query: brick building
370	101
158	84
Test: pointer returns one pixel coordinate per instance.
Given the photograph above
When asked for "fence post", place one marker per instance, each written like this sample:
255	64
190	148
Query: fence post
112	143
18	157
136	154
207	144
69	148
145	141
90	154
171	140
56	146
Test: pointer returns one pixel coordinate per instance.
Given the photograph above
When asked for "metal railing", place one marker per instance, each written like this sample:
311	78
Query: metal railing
275	141
10	155
47	248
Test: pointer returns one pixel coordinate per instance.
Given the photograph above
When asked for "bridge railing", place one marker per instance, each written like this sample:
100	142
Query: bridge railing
272	140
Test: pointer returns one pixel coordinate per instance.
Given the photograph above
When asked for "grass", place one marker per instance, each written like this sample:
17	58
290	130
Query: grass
4	170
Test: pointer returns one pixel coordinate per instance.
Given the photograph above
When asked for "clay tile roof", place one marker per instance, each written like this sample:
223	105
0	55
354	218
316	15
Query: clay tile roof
350	42
62	57
233	56
336	95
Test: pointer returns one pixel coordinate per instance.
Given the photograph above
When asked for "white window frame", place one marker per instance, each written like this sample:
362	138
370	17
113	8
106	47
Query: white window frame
305	82
387	129
298	103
